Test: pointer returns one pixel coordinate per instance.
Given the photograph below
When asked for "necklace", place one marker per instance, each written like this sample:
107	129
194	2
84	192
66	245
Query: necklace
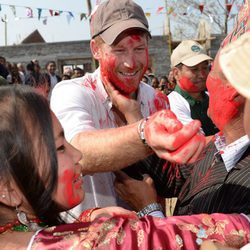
34	225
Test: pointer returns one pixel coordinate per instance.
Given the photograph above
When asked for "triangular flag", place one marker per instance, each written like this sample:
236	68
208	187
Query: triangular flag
57	13
0	7
201	7
229	7
69	17
45	21
39	13
51	12
29	12
71	14
83	15
60	12
13	8
147	14
159	10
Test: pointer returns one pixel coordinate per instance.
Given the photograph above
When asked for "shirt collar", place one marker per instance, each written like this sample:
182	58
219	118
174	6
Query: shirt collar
188	97
231	153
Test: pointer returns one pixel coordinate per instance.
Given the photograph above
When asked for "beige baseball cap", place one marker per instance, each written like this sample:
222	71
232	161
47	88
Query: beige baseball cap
112	17
235	64
189	53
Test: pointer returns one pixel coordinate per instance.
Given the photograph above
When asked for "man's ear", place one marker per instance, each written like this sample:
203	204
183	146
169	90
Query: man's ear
176	73
9	196
95	49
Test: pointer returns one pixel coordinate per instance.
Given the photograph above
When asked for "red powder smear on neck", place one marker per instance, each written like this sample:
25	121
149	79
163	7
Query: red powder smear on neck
161	101
187	85
222	106
67	180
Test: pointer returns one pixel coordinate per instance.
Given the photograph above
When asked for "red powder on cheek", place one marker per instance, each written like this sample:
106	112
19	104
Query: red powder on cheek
67	180
108	66
187	85
222	106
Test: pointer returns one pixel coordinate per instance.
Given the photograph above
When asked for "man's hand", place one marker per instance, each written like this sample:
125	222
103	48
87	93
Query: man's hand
138	194
127	106
173	141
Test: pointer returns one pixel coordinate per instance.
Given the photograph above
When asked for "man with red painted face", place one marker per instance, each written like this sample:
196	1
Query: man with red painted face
220	180
189	100
106	132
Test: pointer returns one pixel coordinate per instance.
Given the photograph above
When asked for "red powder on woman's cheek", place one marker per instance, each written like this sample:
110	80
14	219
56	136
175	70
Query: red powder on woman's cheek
67	180
222	106
187	85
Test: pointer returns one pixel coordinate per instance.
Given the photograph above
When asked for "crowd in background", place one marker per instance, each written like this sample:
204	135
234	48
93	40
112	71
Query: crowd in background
43	80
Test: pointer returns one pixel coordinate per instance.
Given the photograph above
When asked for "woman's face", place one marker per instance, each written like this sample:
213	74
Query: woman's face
69	191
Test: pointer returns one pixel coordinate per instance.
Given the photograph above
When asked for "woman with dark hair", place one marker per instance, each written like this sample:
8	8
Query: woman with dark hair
40	81
40	176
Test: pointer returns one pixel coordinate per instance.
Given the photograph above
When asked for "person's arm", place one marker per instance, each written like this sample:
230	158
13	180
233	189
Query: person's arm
114	149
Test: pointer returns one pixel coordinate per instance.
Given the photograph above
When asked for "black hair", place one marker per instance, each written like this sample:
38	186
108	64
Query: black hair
36	79
28	153
49	62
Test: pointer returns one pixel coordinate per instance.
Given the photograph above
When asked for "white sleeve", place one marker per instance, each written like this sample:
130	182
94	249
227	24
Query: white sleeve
72	106
180	107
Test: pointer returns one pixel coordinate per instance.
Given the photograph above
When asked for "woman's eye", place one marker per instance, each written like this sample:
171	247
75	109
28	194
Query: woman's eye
61	148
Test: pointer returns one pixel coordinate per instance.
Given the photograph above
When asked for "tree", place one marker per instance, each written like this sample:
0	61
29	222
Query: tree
185	16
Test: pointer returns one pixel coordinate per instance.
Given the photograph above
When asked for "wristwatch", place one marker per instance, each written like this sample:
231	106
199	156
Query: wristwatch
149	209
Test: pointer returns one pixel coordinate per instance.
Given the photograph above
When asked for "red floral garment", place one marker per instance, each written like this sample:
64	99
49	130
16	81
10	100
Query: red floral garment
176	232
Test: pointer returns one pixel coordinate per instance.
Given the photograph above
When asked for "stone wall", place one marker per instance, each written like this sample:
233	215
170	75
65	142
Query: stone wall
78	52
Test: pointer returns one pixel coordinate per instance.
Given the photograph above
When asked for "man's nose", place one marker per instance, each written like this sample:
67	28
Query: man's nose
130	61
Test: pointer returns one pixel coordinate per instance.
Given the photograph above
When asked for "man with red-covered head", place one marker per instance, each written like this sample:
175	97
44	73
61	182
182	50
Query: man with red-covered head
107	132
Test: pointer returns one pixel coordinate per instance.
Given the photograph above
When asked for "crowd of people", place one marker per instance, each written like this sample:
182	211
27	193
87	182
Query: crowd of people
88	168
43	80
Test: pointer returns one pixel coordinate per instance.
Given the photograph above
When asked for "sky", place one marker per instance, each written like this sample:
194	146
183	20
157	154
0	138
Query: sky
59	28
62	27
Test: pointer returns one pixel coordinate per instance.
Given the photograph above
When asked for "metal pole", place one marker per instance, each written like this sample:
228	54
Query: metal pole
5	30
168	29
226	17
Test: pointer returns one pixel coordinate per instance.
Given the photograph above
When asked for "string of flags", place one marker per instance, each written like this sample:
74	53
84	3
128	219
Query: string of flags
41	13
44	14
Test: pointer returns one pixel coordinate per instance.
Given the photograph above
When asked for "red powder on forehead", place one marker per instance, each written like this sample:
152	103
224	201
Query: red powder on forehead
136	38
222	106
187	85
161	101
67	181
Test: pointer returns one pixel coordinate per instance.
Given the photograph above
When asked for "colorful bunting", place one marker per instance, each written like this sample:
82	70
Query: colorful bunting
29	12
201	7
13	8
83	15
159	10
45	21
229	7
39	13
51	12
